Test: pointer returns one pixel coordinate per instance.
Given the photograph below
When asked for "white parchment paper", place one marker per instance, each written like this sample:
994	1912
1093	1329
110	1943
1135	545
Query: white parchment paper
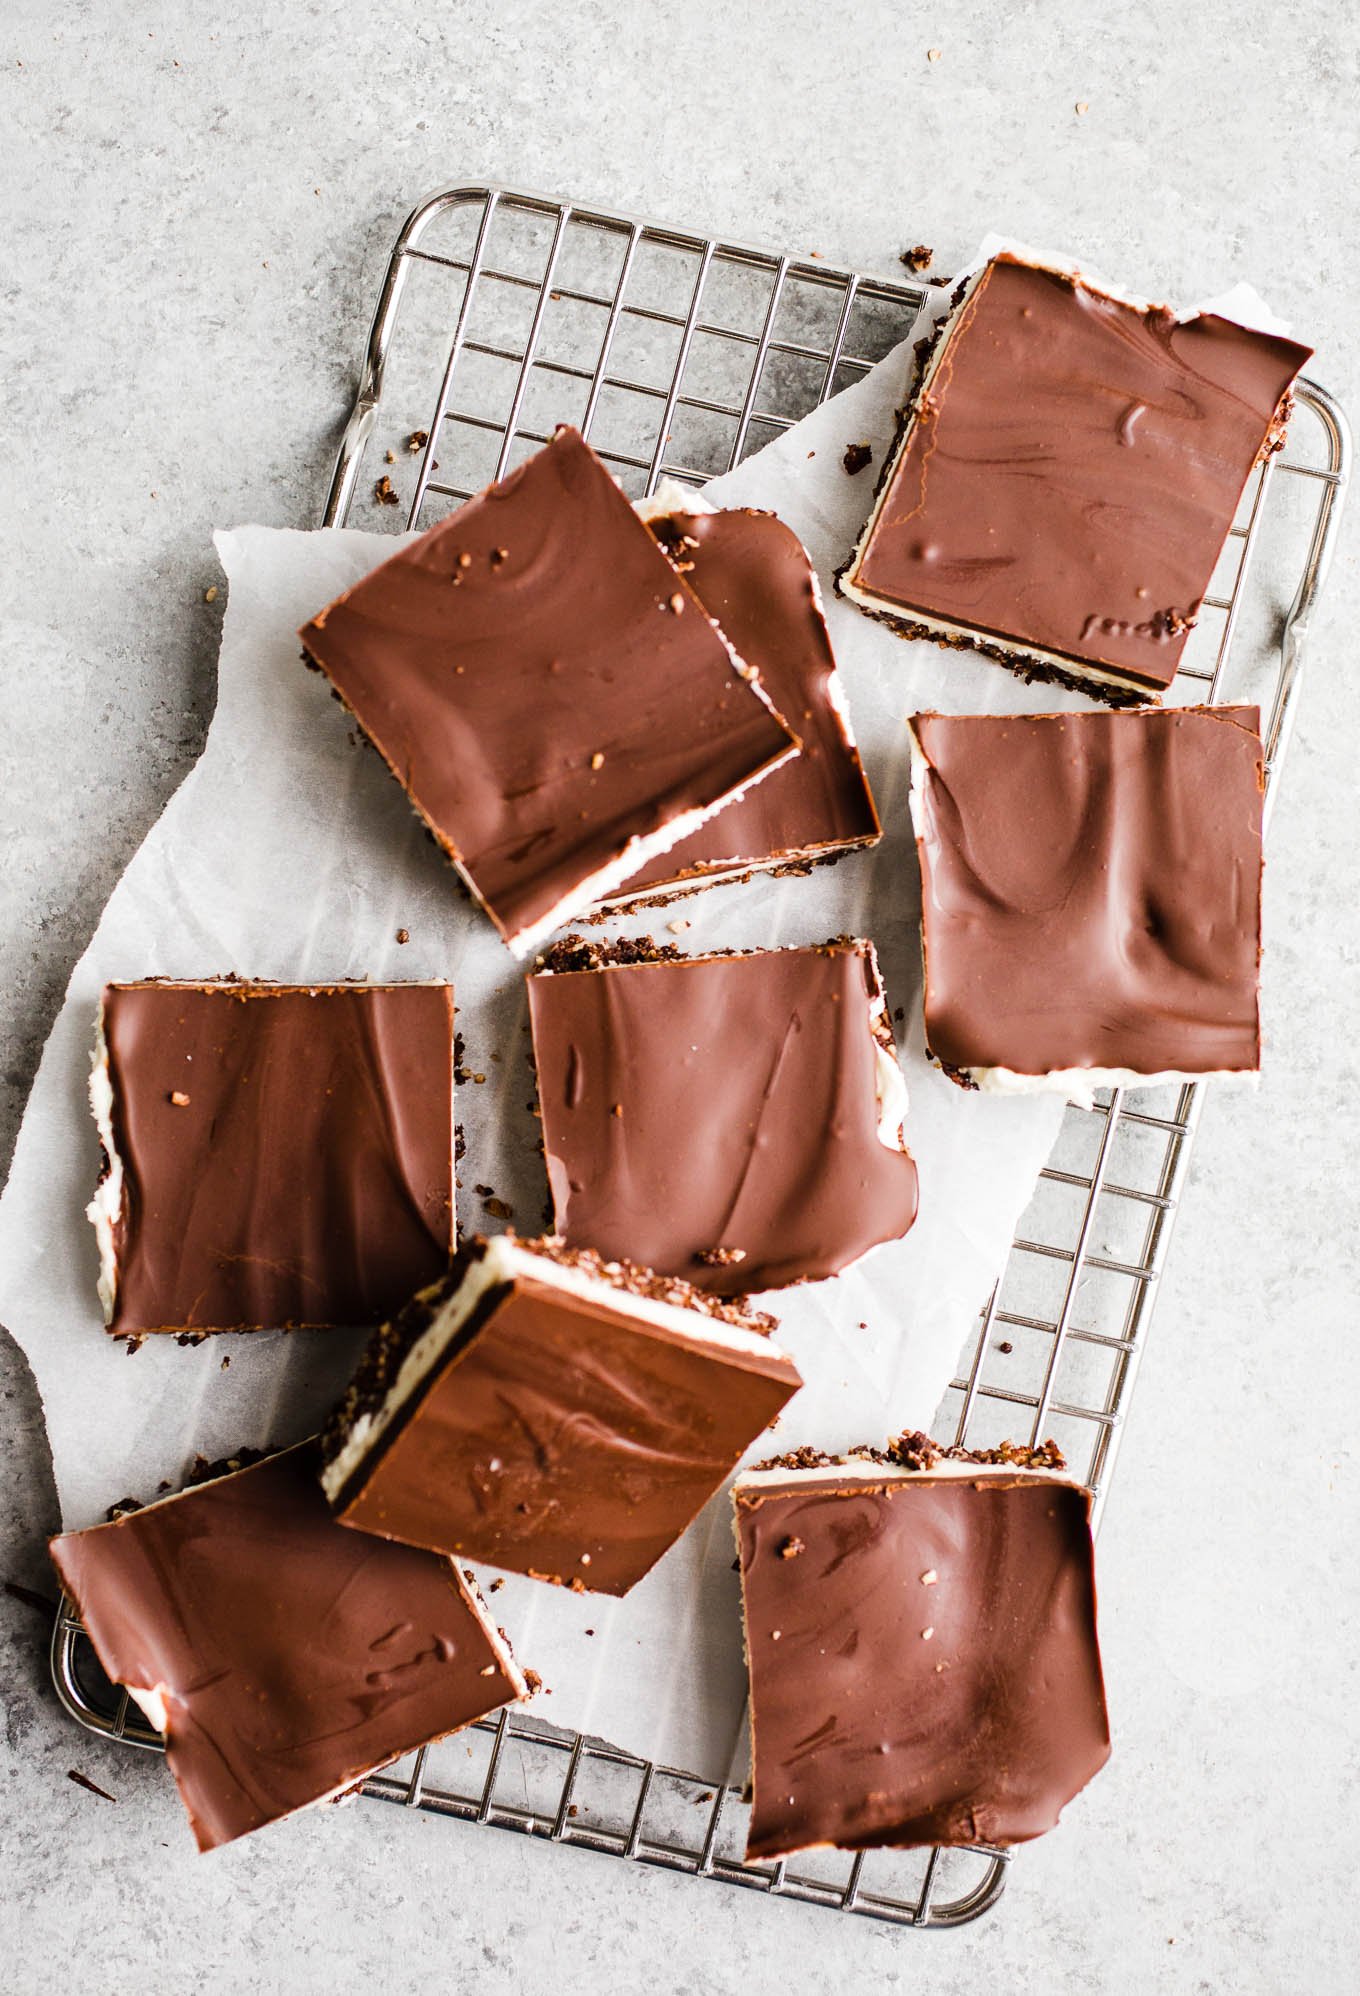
289	853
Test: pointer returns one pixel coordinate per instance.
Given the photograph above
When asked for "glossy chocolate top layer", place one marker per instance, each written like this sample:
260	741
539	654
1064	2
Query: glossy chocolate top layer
293	1658
1091	889
923	1656
545	687
562	1431
287	1153
753	575
1069	474
718	1117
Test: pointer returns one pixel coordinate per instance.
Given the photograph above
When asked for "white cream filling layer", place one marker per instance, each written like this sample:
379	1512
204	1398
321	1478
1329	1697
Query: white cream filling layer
1080	1083
503	1262
670	498
890	1086
856	1470
105	1208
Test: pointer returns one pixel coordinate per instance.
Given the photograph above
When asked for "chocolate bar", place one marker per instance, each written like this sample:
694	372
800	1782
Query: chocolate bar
735	1119
921	1637
753	575
1065	474
552	1413
273	1155
1091	895
548	690
283	1658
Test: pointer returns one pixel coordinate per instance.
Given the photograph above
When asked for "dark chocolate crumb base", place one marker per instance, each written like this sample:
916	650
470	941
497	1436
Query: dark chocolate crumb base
804	1457
644	1282
201	1470
916	1451
386	1350
576	952
1031	671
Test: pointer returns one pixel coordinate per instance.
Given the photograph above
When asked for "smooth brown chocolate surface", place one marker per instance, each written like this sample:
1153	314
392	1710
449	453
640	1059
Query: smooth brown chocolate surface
923	1655
1067	478
753	575
565	1428
546	688
1091	889
286	1152
718	1117
292	1658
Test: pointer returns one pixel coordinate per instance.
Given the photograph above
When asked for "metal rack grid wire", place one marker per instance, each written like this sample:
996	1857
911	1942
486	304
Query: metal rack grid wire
678	355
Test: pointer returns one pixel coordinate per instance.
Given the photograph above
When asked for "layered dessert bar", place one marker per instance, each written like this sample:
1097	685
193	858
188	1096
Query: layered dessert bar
1091	895
1065	474
734	1119
921	1638
284	1659
551	694
753	576
274	1155
552	1413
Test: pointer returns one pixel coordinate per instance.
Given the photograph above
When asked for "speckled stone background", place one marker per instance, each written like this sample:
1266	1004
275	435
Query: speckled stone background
198	203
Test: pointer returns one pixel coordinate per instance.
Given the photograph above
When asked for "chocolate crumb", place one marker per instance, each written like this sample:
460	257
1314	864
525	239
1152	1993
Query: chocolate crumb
389	457
226	1362
917	259
495	1586
385	492
576	952
1006	1346
403	935
573	1809
499	1210
179	1098
498	555
533	1680
792	1546
802	1458
417	441
720	1257
857	456
84	1781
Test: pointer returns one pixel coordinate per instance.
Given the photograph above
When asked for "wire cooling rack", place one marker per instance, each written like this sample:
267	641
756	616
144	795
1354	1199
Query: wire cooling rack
679	355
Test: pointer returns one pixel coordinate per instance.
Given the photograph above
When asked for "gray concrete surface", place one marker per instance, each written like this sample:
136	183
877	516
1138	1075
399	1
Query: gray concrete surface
197	205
